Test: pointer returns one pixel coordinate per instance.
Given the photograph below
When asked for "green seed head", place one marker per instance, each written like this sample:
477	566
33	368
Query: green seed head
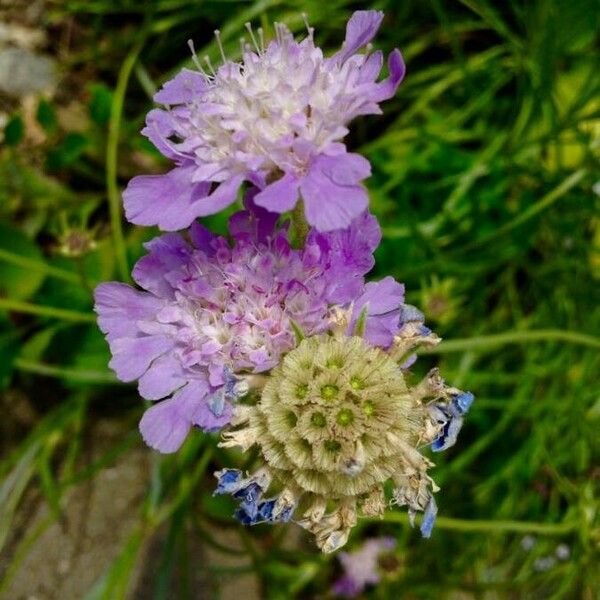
326	415
334	422
329	392
368	408
356	383
318	419
301	391
345	417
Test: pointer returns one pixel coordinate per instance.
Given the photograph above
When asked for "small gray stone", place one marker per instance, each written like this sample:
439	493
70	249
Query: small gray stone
23	72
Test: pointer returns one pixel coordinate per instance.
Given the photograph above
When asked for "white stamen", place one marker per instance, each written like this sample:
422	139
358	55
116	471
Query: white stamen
207	61
309	29
261	37
252	37
195	57
277	27
220	45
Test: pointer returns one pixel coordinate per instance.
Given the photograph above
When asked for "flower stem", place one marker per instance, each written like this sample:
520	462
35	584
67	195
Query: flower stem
544	202
490	526
75	316
80	375
513	337
37	265
114	197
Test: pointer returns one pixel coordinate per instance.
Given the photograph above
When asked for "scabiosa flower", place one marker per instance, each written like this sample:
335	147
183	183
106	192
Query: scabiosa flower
335	421
361	567
276	119
212	316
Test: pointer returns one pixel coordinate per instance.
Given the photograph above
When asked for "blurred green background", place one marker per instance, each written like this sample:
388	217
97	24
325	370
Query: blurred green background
484	167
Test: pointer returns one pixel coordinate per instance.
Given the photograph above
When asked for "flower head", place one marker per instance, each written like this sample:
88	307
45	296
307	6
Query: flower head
335	421
361	567
211	316
275	119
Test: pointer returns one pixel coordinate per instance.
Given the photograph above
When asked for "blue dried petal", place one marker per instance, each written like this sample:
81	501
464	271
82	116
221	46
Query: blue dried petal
286	514
451	415
429	518
463	402
250	492
250	496
228	481
447	437
250	508
227	392
216	402
244	517
230	382
438	413
411	314
265	510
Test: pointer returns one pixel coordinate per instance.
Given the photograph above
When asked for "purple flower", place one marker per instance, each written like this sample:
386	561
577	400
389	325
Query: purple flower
211	313
384	300
251	121
360	567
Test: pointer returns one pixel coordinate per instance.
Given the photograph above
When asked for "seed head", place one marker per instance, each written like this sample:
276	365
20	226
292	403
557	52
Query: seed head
336	419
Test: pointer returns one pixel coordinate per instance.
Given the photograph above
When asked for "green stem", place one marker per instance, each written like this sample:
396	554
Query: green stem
299	223
543	203
513	337
186	489
9	304
37	265
112	146
23	549
83	376
489	526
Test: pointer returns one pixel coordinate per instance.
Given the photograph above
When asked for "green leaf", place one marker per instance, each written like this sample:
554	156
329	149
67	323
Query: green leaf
46	116
13	487
35	346
9	349
361	322
67	152
297	331
14	130
16	282
92	351
100	103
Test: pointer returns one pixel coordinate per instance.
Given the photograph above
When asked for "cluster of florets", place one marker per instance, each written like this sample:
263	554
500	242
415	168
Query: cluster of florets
363	566
211	312
272	334
251	121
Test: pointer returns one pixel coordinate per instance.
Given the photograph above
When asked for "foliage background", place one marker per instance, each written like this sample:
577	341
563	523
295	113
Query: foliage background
483	175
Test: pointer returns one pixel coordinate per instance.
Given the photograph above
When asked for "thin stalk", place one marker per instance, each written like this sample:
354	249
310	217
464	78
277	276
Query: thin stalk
81	376
37	265
542	204
23	550
112	147
513	337
489	526
63	314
